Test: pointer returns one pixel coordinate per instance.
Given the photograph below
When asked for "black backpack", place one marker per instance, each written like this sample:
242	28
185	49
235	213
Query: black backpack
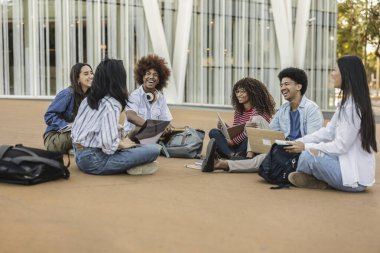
28	166
277	165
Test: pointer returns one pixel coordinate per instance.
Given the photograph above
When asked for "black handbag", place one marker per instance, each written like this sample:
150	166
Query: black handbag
29	166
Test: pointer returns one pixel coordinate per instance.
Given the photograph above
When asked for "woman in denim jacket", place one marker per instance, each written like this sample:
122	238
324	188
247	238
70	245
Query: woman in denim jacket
62	111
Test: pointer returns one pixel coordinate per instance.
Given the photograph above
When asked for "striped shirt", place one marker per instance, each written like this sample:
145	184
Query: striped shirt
244	118
98	128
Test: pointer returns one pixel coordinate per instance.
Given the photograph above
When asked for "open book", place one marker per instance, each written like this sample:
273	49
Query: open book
151	132
230	132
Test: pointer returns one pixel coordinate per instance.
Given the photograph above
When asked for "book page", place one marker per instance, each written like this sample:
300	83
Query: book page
152	132
224	128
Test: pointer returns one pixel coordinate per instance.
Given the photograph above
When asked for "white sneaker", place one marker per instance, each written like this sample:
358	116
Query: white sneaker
145	169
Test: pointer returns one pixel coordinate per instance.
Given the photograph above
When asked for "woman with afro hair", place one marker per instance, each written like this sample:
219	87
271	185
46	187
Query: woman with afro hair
250	98
147	101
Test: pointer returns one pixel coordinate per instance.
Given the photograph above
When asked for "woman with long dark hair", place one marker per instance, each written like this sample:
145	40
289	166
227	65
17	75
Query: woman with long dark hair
250	97
99	139
62	111
341	155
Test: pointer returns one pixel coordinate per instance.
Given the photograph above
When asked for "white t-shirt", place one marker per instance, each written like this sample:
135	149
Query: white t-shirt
139	103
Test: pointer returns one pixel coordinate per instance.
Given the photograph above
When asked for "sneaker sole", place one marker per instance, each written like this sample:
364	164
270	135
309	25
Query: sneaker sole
145	169
208	162
306	181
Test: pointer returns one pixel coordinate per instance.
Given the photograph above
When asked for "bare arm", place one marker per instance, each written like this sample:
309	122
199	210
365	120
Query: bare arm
135	119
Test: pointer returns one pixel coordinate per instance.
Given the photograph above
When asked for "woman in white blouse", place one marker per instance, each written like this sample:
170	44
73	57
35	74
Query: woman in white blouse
148	101
98	135
341	155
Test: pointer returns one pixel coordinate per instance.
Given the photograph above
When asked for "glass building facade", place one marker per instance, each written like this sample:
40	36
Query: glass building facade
229	39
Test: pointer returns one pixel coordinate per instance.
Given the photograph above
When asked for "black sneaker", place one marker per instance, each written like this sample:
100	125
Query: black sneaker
208	162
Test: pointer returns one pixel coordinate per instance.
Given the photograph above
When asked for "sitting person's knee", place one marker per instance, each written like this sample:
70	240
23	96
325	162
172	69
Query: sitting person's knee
213	133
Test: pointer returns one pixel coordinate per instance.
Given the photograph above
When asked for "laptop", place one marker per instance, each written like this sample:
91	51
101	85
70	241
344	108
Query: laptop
261	140
151	132
230	132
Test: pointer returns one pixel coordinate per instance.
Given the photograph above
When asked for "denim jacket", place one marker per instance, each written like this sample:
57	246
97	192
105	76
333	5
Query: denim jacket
60	112
311	118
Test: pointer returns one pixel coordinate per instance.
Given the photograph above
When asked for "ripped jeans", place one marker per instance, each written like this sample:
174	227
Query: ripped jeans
325	167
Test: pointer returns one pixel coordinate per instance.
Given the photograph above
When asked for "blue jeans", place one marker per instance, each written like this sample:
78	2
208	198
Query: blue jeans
94	161
221	144
325	167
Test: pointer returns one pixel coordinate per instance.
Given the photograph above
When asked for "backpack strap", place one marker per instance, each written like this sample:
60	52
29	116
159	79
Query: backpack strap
280	186
50	162
25	151
164	149
4	149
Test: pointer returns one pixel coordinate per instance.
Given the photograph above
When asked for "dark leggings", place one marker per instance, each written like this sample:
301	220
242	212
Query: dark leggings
223	149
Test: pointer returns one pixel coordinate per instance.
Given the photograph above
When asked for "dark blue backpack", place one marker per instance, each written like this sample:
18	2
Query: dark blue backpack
277	166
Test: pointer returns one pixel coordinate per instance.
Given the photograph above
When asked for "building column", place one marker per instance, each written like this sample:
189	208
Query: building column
291	46
181	45
282	16
160	46
300	36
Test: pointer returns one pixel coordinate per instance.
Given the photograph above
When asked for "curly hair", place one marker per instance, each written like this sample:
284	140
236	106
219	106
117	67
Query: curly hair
155	62
258	95
79	95
297	75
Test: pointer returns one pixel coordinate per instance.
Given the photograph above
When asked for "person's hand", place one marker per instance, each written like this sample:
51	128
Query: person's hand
230	143
219	125
296	147
251	124
126	143
168	130
314	152
132	133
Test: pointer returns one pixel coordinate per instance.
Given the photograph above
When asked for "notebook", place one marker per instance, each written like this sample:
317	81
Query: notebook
230	132
261	140
151	132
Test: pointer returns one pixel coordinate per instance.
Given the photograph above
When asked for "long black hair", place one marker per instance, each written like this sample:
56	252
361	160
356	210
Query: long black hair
354	84
79	95
110	79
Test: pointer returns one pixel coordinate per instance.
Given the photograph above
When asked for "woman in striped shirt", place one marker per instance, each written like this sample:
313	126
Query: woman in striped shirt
250	98
98	135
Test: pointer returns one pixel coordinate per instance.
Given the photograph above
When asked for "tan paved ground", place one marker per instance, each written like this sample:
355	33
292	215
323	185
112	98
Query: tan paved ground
177	209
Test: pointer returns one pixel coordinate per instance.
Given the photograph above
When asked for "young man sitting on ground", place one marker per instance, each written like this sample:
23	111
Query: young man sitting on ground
297	117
